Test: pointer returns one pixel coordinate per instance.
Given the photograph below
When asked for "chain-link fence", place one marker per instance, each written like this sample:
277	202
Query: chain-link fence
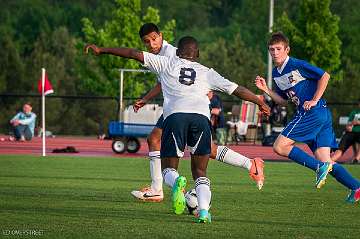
65	115
90	115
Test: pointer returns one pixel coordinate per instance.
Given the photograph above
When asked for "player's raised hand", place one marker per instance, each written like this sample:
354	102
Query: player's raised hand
309	104
93	47
138	104
261	84
265	109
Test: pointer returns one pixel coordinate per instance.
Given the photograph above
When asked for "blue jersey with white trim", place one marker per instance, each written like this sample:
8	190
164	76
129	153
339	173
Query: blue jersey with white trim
297	81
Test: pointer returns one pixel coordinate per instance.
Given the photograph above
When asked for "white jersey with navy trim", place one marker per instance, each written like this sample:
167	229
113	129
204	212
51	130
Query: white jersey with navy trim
167	49
185	84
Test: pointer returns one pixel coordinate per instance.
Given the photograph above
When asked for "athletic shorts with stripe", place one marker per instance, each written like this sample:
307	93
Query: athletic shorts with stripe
160	122
181	129
313	127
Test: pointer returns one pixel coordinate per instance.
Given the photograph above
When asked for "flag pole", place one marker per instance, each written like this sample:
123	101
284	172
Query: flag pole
43	110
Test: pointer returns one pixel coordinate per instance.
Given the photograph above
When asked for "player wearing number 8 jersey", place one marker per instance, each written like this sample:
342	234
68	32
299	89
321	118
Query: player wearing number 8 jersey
304	84
185	85
153	40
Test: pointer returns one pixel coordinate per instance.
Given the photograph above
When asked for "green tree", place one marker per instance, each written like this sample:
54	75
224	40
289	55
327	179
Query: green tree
12	72
314	34
11	67
234	60
120	30
58	54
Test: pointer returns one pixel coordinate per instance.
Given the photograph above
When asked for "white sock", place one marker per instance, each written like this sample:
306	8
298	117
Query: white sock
228	156
170	175
202	187
155	171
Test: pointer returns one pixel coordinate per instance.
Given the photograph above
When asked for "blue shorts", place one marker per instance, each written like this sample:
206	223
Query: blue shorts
181	129
160	122
312	127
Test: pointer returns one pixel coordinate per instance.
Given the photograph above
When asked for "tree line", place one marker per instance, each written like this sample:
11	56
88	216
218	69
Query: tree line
232	36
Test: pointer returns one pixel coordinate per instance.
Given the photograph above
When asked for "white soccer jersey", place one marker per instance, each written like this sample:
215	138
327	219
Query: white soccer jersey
185	84
167	49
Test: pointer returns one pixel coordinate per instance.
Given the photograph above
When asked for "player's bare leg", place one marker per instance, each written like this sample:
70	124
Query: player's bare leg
153	193
254	166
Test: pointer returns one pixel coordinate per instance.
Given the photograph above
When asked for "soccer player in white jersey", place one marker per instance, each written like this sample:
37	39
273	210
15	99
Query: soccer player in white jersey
154	42
185	84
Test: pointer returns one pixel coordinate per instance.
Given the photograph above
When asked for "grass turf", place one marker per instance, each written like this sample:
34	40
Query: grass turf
78	197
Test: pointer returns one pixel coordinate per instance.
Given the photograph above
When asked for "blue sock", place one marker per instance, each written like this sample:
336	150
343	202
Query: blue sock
304	159
344	177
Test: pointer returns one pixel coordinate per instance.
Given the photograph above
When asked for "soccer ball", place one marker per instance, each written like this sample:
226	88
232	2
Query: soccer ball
191	202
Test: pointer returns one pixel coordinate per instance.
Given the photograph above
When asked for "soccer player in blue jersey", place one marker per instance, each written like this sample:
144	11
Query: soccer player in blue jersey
304	84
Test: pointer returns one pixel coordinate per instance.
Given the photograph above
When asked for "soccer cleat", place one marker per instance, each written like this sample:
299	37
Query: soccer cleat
204	217
257	172
148	195
321	174
354	196
177	195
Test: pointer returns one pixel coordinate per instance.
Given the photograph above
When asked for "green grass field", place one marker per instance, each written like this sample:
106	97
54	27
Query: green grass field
78	197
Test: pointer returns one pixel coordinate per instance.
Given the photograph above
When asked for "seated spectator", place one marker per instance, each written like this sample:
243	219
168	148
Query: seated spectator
23	124
217	118
351	136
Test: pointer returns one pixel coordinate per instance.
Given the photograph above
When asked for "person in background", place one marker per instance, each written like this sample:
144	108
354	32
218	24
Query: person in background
23	124
351	137
217	117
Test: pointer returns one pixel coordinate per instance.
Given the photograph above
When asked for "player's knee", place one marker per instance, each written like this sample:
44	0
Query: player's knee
279	149
282	146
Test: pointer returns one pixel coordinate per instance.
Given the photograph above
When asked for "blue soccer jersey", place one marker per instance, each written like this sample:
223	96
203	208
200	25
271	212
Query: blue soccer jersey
297	80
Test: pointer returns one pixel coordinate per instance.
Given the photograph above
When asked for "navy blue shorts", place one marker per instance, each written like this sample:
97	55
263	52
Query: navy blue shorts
181	129
312	127
160	122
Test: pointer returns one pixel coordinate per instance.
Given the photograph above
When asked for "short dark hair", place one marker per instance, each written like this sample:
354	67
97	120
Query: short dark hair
188	47
28	103
148	28
278	37
186	42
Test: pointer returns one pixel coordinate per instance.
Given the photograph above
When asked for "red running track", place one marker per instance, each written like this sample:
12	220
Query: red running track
102	148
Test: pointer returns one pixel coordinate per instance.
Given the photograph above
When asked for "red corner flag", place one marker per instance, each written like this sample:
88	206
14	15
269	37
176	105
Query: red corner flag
47	86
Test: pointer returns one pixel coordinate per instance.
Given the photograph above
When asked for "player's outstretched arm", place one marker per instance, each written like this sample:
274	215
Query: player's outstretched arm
261	85
150	95
121	51
153	93
245	94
